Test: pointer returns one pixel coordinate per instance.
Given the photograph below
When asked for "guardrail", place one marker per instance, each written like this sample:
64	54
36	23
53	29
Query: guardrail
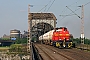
34	53
84	47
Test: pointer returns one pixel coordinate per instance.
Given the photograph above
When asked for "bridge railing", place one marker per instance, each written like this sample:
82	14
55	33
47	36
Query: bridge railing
84	47
34	53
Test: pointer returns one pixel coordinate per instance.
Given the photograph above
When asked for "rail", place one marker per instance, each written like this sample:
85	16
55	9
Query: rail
47	53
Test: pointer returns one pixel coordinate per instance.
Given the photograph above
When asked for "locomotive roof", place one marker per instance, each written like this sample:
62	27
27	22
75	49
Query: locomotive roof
61	28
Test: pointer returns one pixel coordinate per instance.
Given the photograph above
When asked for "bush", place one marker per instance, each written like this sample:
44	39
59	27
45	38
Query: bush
16	48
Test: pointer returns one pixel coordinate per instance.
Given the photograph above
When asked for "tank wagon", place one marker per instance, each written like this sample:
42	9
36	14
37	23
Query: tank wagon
59	37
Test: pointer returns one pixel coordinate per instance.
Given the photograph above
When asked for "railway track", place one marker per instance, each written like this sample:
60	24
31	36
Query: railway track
75	54
81	55
67	54
46	53
52	54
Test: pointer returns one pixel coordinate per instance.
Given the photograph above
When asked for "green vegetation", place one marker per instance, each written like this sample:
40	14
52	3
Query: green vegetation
87	41
78	41
18	40
4	47
34	39
21	41
18	48
5	38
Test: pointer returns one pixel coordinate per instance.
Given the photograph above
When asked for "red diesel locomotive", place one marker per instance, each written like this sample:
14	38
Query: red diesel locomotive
62	38
59	37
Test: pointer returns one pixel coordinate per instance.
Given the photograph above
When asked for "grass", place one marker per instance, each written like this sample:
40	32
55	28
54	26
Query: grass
4	48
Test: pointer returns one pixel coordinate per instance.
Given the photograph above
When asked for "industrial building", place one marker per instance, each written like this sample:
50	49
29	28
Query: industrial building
14	33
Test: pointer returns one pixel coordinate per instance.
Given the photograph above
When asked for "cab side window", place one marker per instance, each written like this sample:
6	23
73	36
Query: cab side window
65	29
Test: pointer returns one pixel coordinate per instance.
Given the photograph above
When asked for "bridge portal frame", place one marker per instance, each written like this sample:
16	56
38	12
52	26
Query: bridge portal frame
35	18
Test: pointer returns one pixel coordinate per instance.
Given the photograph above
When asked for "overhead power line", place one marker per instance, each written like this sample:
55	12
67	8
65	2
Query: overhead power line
67	15
51	5
86	3
73	11
74	3
70	14
44	6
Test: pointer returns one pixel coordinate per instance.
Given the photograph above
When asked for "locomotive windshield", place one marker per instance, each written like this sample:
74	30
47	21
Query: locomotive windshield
61	29
65	29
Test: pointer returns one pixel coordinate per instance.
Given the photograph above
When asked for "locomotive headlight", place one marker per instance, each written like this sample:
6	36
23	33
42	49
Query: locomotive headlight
59	39
67	39
67	34
60	34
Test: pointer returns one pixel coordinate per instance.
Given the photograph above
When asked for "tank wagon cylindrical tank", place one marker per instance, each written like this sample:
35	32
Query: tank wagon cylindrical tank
14	33
47	37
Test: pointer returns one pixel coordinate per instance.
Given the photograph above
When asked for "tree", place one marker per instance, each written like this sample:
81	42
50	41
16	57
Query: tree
21	40
17	41
87	41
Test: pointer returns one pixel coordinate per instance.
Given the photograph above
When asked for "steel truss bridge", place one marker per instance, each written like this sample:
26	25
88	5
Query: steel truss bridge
38	24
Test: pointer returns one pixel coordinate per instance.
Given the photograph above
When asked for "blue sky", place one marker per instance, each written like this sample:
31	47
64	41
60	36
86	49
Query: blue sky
13	14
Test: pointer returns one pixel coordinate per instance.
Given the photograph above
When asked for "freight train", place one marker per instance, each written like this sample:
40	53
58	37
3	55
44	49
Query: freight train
59	37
